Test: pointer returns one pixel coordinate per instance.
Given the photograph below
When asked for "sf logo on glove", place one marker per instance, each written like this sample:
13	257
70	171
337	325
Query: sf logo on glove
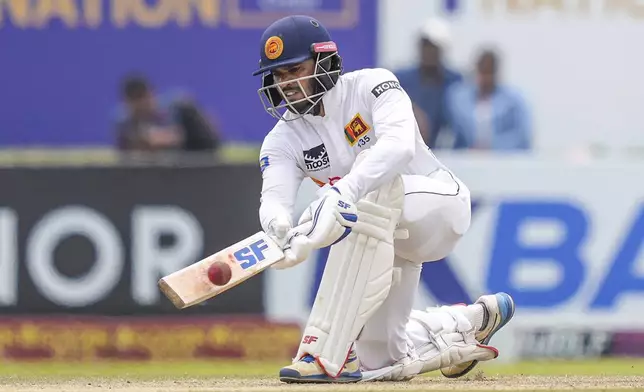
331	217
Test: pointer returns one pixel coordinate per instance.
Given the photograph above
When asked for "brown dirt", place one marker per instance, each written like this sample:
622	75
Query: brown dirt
477	382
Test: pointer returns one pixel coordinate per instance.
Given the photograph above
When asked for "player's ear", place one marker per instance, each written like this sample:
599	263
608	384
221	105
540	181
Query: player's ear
273	95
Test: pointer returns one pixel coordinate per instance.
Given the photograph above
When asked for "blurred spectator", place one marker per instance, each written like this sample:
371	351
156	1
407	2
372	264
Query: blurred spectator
152	124
428	82
487	114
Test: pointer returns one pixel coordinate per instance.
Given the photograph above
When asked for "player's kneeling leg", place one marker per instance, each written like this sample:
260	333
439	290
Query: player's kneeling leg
356	281
496	311
444	337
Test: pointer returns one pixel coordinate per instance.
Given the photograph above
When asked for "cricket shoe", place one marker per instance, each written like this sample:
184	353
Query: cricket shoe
500	309
307	370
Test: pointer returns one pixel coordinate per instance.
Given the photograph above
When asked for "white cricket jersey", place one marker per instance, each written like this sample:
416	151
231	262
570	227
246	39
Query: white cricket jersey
367	109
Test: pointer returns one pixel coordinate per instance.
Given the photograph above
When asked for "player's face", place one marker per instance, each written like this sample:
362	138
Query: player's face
430	54
142	106
287	78
487	74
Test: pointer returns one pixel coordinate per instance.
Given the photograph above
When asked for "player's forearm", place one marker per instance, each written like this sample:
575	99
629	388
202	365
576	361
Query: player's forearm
272	209
281	181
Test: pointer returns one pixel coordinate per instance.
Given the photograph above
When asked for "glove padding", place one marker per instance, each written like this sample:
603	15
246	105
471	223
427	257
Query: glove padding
296	247
325	222
278	230
332	218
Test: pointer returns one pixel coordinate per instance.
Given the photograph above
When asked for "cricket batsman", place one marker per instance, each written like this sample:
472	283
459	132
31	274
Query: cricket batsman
386	205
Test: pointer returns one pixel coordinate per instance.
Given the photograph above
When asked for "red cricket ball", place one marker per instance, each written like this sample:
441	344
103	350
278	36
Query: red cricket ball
219	273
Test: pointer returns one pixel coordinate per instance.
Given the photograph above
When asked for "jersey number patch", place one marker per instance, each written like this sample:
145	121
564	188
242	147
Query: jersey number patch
363	142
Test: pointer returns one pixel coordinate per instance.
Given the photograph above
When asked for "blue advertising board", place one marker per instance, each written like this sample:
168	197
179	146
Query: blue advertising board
62	61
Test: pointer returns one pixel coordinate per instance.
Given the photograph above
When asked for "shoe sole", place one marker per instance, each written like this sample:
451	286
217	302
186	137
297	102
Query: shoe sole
327	380
505	303
291	376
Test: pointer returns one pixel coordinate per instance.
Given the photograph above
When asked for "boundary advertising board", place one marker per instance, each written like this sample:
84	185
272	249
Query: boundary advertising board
97	240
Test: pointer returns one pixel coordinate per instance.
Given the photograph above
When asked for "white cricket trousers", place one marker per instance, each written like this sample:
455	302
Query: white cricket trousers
436	213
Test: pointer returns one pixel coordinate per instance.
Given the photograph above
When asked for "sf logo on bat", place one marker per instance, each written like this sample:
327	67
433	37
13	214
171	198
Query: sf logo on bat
250	255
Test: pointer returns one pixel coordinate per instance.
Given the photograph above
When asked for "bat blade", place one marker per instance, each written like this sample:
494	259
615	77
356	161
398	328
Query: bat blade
247	258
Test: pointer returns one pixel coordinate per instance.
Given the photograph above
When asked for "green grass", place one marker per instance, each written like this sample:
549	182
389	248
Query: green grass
230	153
140	370
197	369
608	367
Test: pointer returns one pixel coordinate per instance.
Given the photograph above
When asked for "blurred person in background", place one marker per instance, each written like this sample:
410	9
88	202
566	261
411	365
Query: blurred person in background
427	83
486	114
151	124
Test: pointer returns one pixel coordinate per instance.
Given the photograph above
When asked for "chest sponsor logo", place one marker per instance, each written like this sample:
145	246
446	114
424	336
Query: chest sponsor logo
355	129
316	158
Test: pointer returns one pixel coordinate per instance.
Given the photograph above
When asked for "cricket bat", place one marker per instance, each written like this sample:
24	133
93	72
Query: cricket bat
247	258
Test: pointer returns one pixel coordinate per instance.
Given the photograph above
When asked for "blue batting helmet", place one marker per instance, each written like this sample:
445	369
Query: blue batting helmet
290	41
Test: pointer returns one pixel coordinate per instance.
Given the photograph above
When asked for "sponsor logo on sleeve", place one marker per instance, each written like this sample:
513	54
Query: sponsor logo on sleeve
263	163
384	87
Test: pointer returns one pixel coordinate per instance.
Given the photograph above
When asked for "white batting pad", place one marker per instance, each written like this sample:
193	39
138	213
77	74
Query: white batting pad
449	339
453	339
356	279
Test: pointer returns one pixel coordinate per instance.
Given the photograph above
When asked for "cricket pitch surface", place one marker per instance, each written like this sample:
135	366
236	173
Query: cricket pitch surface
605	375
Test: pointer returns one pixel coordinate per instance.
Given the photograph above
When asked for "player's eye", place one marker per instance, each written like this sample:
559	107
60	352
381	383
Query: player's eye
278	76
